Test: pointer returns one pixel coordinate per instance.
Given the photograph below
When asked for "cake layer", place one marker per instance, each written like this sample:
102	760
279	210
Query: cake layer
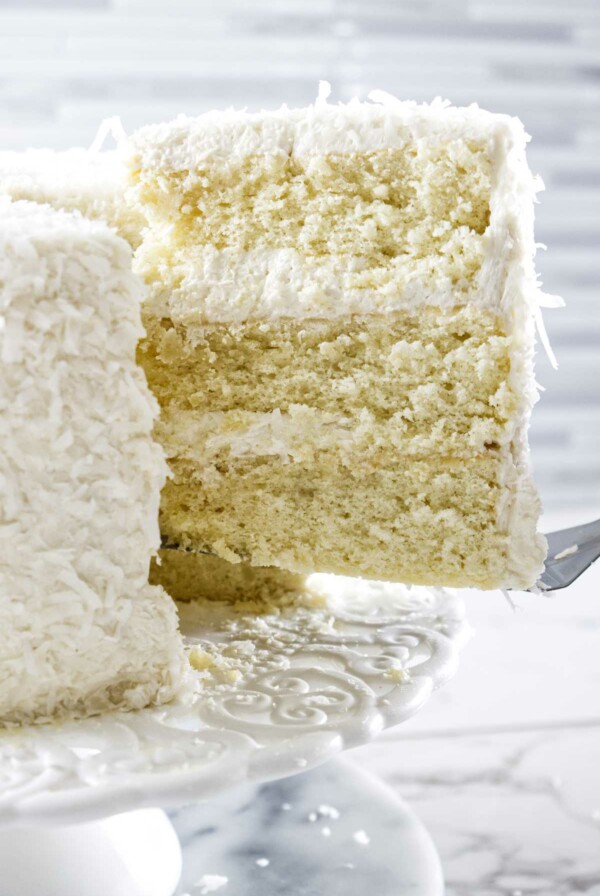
335	365
422	521
193	576
435	381
81	630
275	234
226	139
377	205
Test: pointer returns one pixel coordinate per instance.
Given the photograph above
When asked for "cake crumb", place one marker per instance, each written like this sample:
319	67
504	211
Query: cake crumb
222	550
222	668
199	659
397	674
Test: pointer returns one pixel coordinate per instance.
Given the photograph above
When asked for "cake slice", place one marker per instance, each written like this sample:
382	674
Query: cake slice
340	333
81	630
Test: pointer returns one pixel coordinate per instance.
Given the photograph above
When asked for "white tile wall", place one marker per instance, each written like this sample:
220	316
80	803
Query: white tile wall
65	64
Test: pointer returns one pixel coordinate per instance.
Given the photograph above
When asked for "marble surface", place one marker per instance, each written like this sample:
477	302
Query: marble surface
511	813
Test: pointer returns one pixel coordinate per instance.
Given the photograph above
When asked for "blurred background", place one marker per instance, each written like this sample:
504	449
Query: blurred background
66	64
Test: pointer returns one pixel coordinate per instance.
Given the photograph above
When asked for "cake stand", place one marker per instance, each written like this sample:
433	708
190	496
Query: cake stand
273	694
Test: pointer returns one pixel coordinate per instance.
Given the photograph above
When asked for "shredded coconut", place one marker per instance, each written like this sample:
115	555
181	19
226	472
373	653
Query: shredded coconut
81	630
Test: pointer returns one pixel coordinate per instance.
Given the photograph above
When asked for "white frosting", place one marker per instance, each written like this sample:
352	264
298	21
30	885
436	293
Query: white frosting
80	628
526	549
299	434
227	286
386	122
292	437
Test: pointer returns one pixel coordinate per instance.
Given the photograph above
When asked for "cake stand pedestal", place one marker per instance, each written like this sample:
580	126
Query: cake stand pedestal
274	695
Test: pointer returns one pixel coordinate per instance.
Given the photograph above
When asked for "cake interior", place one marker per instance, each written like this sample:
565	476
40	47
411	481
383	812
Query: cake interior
373	433
391	430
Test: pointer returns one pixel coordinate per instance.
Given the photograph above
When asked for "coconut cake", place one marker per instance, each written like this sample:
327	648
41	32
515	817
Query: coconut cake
340	334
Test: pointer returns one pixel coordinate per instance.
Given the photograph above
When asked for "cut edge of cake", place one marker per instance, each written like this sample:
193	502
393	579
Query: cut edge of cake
273	271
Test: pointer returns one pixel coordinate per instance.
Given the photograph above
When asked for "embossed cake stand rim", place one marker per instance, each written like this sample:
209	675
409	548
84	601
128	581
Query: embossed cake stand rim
311	694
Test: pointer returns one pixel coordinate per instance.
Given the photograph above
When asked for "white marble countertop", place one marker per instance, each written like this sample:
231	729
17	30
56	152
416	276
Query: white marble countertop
503	764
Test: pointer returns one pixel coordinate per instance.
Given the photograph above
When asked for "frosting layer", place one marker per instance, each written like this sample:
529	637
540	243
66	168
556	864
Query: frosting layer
200	284
385	123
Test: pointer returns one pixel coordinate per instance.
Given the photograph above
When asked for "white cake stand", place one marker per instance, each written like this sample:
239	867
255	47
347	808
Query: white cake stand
274	695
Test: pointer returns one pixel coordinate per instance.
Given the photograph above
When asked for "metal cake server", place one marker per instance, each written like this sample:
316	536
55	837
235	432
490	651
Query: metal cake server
570	553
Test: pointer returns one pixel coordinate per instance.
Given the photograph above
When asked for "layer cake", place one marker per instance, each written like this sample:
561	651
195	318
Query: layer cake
340	334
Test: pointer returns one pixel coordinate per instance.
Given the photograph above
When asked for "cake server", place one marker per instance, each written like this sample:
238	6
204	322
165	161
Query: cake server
570	553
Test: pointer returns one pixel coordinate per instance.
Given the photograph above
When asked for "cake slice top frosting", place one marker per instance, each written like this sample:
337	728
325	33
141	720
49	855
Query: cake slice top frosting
364	207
